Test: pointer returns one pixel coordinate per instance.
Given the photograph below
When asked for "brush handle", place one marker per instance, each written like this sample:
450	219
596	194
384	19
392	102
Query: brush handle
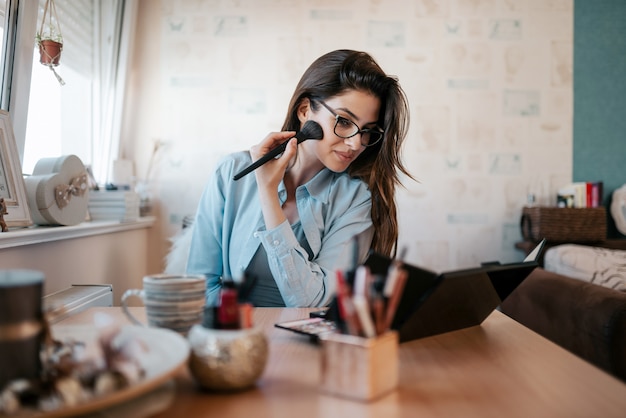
265	158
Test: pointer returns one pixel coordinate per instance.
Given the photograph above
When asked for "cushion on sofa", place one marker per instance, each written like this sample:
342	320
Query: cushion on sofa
584	318
603	266
618	209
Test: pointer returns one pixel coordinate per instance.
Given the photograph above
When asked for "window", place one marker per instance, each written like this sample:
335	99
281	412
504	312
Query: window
60	116
78	117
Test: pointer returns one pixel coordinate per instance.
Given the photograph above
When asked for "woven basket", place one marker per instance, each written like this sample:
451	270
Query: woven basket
564	224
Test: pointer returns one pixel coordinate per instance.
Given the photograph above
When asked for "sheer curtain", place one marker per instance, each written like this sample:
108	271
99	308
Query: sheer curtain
117	21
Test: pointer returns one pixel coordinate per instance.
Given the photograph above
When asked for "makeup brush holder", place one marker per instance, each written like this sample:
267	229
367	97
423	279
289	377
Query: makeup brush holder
359	368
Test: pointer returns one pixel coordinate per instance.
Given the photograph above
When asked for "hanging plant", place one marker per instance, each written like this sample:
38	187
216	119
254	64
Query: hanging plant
49	39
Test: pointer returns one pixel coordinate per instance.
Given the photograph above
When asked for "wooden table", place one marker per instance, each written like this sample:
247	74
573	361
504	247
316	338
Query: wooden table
497	369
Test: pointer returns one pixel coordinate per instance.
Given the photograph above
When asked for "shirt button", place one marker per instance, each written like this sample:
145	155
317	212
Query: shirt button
276	243
256	235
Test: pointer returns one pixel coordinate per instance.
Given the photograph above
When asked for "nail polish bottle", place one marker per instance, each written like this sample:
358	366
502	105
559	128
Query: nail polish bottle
228	309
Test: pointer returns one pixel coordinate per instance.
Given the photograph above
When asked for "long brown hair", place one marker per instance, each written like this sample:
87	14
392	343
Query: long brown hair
379	165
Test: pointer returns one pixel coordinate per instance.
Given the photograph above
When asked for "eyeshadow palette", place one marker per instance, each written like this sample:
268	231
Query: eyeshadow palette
313	327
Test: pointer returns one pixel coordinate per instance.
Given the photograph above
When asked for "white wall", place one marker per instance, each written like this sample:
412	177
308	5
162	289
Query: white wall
489	83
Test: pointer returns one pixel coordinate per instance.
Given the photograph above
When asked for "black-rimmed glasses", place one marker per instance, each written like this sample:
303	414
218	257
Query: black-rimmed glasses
345	128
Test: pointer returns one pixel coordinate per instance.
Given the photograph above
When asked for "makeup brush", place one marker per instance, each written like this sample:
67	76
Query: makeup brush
310	130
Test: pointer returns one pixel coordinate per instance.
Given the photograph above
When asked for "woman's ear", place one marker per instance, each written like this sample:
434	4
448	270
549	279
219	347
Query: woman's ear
304	107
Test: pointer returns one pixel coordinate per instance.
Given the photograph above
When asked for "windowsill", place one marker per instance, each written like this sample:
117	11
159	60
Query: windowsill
39	234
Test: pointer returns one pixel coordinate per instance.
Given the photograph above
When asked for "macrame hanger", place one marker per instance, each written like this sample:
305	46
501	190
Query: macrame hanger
59	79
43	19
53	11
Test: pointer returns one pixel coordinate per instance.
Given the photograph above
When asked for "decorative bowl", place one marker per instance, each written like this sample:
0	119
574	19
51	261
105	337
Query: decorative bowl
227	359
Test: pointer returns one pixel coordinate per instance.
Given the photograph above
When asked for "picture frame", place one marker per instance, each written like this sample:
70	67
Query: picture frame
12	186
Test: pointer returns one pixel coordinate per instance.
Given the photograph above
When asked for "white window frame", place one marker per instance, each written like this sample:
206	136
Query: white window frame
18	69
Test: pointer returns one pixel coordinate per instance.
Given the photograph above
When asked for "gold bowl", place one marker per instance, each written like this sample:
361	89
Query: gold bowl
227	359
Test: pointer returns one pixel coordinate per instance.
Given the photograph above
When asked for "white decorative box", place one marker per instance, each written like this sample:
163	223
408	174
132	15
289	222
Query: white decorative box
58	191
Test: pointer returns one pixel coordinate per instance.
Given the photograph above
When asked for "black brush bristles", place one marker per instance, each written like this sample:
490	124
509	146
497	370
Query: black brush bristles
310	130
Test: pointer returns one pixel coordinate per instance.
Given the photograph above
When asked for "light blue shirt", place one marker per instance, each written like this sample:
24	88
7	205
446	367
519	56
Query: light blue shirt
229	228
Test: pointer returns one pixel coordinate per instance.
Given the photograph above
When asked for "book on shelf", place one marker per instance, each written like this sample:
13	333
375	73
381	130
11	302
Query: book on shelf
113	195
122	205
580	195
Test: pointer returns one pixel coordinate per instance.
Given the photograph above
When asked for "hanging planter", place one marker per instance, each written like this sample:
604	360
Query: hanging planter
50	52
49	39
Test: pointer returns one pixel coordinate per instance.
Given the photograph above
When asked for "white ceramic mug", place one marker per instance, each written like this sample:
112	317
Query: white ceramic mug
173	301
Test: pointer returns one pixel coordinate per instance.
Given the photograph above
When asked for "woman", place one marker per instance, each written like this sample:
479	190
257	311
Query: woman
293	224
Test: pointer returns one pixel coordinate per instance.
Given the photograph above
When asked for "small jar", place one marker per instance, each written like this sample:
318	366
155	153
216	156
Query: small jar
227	359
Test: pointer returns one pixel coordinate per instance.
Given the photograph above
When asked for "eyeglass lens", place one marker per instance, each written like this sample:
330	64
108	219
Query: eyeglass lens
345	128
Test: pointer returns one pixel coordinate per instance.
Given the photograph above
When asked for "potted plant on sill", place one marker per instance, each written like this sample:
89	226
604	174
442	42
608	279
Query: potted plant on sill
49	39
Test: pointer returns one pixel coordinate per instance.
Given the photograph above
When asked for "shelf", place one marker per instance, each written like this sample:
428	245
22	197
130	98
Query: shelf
38	234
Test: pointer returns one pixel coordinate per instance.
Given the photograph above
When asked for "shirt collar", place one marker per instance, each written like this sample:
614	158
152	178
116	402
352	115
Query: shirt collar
317	187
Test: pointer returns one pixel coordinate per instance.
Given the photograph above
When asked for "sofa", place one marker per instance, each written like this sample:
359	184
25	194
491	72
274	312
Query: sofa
585	317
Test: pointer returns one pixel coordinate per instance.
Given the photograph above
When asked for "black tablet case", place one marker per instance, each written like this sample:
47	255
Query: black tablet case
433	303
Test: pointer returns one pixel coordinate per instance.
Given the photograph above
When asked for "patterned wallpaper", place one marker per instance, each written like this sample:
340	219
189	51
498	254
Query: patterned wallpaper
489	83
